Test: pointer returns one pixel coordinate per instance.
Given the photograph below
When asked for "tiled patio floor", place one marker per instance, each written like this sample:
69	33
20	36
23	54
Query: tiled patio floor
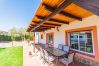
34	60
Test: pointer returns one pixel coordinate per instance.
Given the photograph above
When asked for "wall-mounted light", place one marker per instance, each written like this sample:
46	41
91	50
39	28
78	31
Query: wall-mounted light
57	28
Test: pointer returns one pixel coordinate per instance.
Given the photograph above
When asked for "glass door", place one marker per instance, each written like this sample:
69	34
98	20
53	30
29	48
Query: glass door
50	39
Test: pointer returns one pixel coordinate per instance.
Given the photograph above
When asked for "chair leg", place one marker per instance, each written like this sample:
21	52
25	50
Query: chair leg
73	63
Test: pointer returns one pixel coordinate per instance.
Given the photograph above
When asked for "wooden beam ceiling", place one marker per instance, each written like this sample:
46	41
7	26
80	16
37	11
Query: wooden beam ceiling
56	11
90	5
52	9
53	20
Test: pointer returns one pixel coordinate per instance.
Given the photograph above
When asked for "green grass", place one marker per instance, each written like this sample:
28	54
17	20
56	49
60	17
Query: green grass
12	56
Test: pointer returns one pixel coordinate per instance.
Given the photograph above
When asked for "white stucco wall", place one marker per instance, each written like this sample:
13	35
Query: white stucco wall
59	36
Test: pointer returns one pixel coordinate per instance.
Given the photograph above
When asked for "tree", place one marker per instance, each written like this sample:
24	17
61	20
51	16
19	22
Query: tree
20	33
13	30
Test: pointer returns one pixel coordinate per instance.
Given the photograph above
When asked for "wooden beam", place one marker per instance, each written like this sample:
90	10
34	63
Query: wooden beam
40	26
47	23
46	27
43	26
53	20
41	17
58	10
39	29
59	21
90	5
52	24
52	9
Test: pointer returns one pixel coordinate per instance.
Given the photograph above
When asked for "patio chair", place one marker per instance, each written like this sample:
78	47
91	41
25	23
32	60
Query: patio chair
50	45
68	60
46	54
66	48
41	53
60	46
38	50
47	57
46	46
35	49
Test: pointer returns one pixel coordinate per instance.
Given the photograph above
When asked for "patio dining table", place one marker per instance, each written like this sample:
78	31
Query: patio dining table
57	53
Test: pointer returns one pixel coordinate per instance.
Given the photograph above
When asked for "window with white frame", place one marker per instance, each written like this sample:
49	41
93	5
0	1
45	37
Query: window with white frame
81	41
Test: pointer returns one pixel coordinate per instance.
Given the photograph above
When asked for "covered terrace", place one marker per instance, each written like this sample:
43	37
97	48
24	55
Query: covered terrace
52	14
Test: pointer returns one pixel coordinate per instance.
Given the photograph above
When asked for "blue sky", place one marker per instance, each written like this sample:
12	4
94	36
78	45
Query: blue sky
17	13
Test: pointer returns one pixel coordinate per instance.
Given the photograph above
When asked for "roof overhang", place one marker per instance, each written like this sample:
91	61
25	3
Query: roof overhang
53	13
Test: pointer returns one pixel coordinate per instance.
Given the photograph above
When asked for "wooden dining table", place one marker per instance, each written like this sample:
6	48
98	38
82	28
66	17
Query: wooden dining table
57	53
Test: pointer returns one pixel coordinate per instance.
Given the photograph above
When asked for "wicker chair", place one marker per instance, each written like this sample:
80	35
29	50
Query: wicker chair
66	48
68	60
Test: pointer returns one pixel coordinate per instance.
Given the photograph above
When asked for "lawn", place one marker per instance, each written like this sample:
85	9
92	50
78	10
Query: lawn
12	56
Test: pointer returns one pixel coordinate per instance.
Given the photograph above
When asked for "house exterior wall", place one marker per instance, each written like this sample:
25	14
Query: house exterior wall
60	37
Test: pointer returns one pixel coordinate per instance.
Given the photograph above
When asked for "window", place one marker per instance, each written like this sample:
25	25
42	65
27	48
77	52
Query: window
81	41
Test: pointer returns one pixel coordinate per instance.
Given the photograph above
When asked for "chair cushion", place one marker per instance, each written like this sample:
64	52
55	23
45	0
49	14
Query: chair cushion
51	58
66	48
46	46
60	46
64	61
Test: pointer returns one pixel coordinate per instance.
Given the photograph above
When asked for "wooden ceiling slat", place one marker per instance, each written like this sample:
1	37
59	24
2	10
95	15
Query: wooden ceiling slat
53	20
42	11
64	18
52	24
70	15
77	11
90	5
54	3
48	24
52	9
59	21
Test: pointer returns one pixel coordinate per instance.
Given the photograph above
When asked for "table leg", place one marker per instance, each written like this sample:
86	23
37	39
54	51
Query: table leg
57	61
